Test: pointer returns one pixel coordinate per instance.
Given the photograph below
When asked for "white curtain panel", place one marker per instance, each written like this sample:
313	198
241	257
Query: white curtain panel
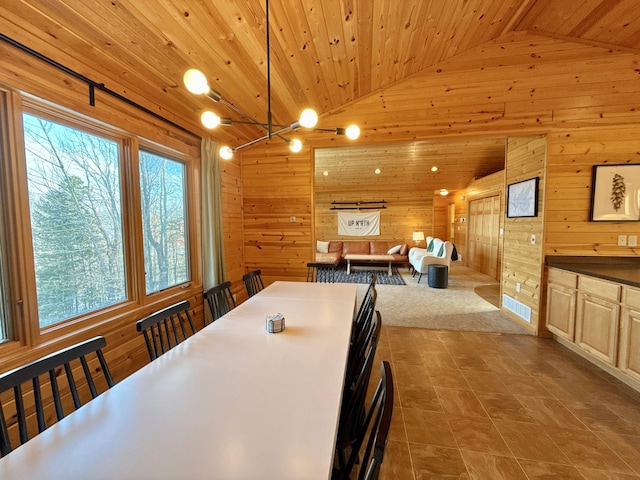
212	237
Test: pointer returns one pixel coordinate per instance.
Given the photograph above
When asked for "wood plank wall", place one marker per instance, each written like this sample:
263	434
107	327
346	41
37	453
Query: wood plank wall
277	211
232	227
572	154
408	207
440	216
522	262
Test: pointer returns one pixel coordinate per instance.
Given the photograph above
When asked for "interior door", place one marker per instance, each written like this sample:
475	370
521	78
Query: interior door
484	234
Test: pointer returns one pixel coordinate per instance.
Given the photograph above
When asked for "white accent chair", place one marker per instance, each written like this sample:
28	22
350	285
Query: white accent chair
416	252
440	255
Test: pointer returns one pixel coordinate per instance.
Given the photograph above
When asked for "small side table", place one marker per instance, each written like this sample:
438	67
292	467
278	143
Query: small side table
438	276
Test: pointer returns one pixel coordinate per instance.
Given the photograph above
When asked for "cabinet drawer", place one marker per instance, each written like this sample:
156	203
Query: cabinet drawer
631	297
563	277
599	288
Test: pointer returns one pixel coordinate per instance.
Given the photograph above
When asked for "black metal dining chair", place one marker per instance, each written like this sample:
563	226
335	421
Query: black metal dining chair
377	422
220	300
365	314
30	381
321	272
166	328
253	282
359	365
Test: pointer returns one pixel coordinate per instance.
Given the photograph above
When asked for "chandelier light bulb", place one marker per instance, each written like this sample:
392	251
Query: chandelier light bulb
308	118
226	153
352	132
210	119
295	145
195	81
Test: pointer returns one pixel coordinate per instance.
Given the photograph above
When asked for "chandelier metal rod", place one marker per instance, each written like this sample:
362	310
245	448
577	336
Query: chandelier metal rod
269	117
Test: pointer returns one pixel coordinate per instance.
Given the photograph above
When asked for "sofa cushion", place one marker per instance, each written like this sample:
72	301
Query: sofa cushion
404	249
335	246
440	251
395	249
322	247
356	247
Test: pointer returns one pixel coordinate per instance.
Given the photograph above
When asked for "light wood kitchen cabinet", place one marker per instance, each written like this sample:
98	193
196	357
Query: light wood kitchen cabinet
629	360
598	318
561	303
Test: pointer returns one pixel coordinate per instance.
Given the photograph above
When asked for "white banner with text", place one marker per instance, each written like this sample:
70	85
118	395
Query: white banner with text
359	224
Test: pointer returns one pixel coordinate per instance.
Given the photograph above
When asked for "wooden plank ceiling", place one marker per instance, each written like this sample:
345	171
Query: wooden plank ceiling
324	53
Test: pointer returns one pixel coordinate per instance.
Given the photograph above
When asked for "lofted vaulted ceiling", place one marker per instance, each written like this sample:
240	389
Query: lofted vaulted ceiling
325	54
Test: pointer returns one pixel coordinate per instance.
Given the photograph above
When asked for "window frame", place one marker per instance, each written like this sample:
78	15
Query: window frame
23	313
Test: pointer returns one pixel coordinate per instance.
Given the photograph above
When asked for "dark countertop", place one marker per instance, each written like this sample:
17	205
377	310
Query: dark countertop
625	270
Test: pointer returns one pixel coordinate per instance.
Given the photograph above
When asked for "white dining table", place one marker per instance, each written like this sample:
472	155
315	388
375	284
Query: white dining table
231	402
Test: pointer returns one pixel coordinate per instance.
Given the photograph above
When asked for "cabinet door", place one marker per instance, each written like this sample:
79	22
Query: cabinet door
597	323
630	343
561	310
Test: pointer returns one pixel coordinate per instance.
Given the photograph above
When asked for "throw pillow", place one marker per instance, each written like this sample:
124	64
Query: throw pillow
322	247
441	251
430	246
395	249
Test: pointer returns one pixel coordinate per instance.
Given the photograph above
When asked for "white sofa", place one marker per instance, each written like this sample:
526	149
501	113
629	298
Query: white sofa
439	254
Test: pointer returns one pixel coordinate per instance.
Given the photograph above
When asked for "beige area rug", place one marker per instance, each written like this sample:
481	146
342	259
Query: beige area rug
457	307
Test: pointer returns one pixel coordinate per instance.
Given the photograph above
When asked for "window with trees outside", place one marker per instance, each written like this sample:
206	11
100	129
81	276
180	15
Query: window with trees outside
96	221
75	200
162	187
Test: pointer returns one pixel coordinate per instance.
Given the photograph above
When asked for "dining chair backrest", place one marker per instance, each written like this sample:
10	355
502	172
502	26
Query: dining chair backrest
376	424
366	300
321	272
355	392
253	282
220	300
380	412
167	328
358	348
42	380
365	314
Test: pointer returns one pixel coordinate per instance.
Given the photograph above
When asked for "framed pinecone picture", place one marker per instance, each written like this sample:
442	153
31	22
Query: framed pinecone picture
615	193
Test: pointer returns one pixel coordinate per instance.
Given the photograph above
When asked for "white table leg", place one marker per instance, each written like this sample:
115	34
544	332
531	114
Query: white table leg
390	272
348	267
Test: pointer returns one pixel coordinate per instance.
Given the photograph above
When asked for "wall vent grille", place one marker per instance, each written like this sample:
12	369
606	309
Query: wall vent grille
517	307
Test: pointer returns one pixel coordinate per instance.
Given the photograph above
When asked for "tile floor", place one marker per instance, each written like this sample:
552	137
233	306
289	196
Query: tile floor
491	406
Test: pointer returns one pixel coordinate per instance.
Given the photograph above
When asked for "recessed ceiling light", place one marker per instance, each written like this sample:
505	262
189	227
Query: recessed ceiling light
377	171
325	173
434	169
444	192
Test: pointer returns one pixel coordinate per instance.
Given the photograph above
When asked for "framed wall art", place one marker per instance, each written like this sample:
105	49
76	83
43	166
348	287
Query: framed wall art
615	193
522	198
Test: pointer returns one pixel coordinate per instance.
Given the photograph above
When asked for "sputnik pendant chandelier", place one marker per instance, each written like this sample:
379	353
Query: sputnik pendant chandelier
196	83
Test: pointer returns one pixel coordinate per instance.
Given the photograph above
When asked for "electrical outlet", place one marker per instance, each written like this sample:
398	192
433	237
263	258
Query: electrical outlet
518	287
622	240
533	239
292	219
633	241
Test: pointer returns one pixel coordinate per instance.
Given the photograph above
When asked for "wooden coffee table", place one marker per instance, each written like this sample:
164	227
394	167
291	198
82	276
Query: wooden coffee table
368	258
